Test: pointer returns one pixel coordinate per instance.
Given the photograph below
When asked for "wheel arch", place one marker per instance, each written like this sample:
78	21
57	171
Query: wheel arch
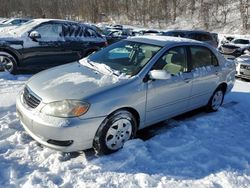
13	53
133	111
223	86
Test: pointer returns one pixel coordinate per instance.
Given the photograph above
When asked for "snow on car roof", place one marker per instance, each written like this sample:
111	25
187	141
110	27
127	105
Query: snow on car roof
162	40
41	20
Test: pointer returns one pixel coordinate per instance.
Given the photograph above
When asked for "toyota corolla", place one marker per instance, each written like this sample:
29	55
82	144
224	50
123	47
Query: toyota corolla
102	100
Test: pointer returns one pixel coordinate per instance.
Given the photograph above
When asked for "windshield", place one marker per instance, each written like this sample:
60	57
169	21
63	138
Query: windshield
126	57
25	27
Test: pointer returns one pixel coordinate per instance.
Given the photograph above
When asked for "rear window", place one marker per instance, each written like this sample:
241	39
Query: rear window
200	37
174	34
240	41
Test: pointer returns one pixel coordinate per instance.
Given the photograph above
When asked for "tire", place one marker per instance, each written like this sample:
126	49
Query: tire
114	132
216	100
8	62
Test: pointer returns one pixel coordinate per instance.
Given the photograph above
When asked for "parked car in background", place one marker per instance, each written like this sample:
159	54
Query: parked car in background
235	48
243	66
202	36
102	100
227	39
149	32
117	35
43	43
13	22
2	20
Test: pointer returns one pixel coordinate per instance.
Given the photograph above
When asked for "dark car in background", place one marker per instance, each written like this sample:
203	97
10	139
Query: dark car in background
149	32
117	35
202	36
235	48
43	43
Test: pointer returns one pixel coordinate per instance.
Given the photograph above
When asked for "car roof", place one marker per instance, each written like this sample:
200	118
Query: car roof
162	40
41	20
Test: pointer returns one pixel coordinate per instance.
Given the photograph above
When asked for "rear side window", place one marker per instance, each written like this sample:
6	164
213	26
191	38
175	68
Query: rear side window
202	56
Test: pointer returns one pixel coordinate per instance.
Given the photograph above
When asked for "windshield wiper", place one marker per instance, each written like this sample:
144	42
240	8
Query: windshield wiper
99	69
114	72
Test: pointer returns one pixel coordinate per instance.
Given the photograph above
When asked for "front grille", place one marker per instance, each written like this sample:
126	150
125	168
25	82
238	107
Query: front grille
30	99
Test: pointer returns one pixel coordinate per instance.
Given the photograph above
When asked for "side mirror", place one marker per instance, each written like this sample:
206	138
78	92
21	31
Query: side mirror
159	75
34	35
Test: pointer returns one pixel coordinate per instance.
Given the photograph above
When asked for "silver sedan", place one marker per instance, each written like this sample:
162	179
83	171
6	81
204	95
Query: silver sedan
101	101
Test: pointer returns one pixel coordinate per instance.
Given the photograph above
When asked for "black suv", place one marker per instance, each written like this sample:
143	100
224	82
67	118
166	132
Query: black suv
43	43
199	35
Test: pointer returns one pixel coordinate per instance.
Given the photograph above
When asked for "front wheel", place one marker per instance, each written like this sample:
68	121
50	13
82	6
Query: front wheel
8	62
114	132
216	100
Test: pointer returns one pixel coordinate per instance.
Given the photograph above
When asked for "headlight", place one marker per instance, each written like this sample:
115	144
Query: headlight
66	108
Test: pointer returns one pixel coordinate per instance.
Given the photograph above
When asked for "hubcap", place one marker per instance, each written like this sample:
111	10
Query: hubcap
217	100
118	133
6	63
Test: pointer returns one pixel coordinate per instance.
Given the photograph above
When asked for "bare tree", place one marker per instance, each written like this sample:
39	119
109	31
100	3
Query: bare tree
244	13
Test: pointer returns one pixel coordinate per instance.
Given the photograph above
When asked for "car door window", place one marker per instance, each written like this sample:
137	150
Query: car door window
50	32
202	57
173	61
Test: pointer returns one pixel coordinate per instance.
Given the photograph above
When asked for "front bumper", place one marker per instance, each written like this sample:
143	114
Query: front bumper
78	133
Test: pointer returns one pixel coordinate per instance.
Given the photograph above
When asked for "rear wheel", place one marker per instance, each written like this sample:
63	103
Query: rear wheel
114	132
216	100
8	62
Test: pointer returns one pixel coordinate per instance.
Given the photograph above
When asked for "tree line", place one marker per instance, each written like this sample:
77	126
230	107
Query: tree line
143	12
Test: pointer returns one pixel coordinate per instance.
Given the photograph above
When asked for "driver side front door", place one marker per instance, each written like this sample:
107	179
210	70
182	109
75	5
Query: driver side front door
167	98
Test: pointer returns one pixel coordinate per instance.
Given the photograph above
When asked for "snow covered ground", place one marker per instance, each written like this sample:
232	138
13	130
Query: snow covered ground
201	150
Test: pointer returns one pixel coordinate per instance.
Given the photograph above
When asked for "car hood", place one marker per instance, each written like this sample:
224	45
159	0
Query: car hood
71	81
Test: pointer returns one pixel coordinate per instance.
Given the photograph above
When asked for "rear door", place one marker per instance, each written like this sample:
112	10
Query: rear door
206	72
80	41
167	98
